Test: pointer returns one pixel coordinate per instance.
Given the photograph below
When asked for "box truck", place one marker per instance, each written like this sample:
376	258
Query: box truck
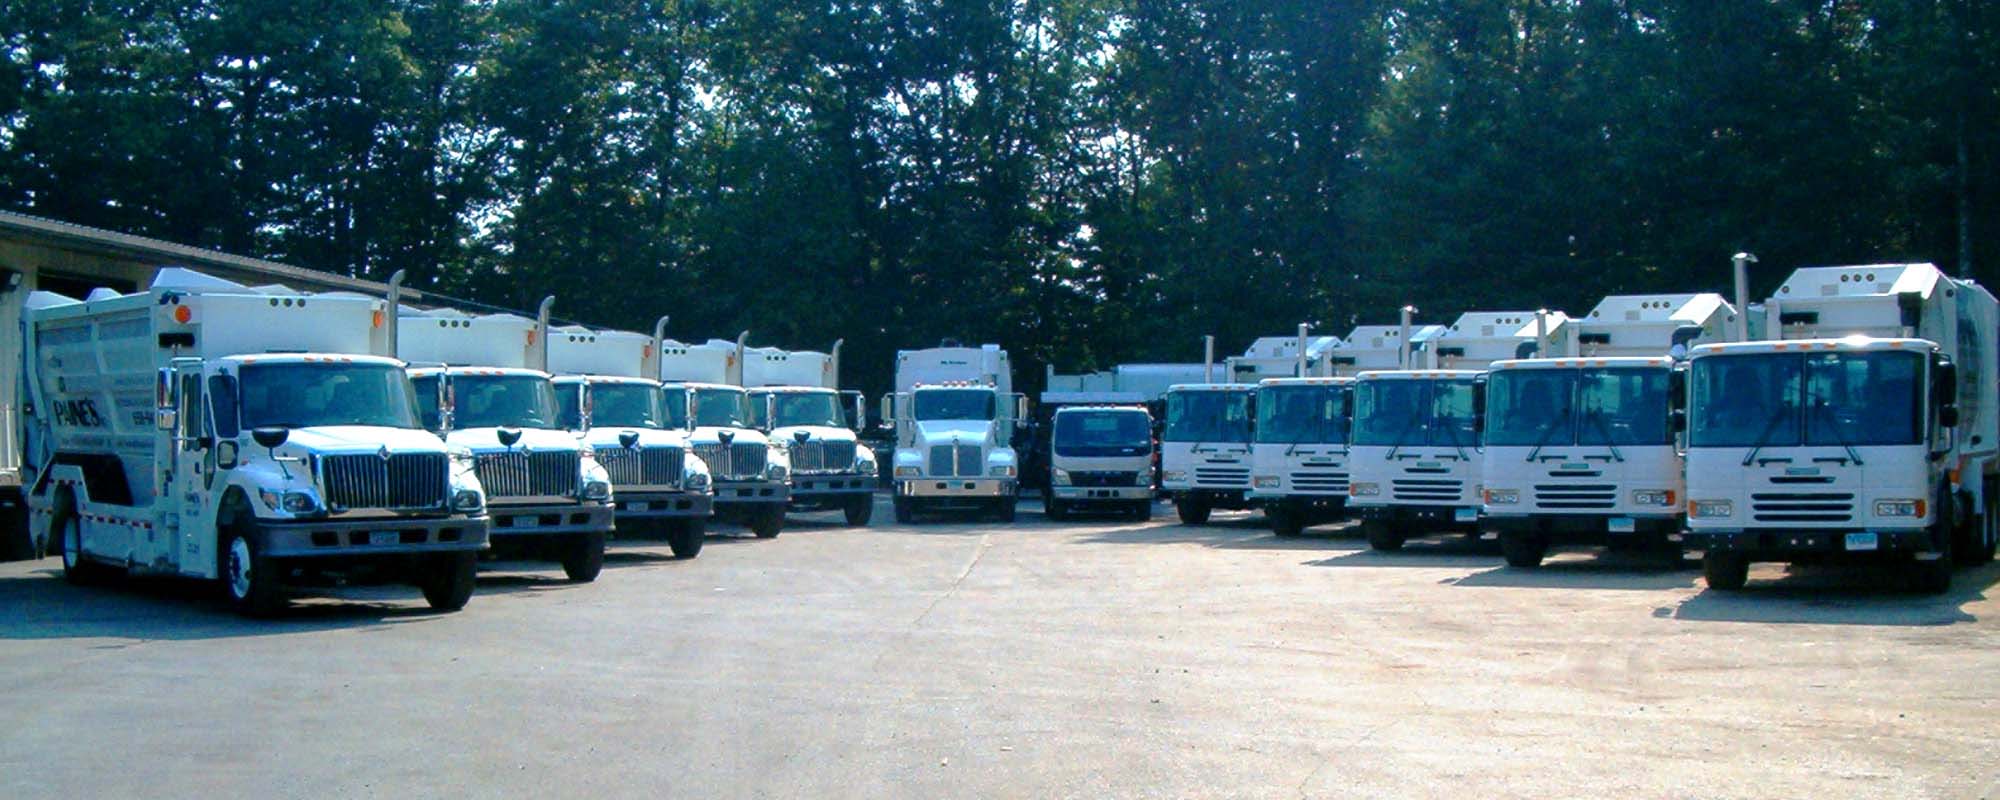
752	476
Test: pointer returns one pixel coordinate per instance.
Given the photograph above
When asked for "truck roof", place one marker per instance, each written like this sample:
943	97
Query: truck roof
451	370
577	350
1322	381
1861	281
1213	387
312	358
793	389
571	380
701	385
1102	408
1419	374
1662	362
1846	344
770	366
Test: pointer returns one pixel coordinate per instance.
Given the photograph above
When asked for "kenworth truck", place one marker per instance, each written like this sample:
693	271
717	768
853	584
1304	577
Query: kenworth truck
795	398
257	437
752	475
1863	431
1101	459
1205	448
485	386
659	487
1584	450
955	411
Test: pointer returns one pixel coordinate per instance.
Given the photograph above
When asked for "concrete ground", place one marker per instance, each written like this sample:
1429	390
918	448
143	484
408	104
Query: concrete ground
1031	660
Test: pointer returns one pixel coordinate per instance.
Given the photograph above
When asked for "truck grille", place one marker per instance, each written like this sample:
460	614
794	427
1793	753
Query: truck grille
740	461
1227	477
516	473
1802	507
1576	496
961	461
1427	490
401	481
1104	479
643	466
822	456
1320	481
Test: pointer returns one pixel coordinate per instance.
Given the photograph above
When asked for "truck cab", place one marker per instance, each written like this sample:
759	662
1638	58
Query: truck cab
955	452
795	399
1413	468
1299	457
751	475
1101	459
1205	459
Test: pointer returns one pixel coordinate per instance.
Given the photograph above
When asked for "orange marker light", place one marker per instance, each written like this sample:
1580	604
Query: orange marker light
182	314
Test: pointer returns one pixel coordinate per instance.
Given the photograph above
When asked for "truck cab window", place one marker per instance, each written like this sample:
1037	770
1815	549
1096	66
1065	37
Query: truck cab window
222	404
426	395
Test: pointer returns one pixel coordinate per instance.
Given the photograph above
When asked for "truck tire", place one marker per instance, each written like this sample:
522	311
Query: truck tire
860	510
1285	523
448	583
66	535
583	558
17	542
1142	510
767	523
1725	572
1989	524
1381	536
1523	550
250	580
904	513
685	537
1007	509
1192	512
1054	510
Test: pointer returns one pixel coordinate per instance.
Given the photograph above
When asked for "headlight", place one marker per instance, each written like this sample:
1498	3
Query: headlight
909	472
1364	489
289	502
1707	509
1001	471
467	501
1174	475
1653	497
697	481
776	472
1060	477
1502	497
1899	508
1265	482
596	490
864	466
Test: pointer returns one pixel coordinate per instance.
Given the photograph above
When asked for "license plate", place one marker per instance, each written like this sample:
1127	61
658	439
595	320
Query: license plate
1623	525
640	506
1863	541
1465	515
384	537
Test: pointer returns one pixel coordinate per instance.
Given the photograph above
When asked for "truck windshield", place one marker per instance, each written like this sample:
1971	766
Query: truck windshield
1208	416
1396	412
807	408
309	395
1815	399
1302	414
674	401
1103	434
503	401
933	404
1590	407
613	405
717	407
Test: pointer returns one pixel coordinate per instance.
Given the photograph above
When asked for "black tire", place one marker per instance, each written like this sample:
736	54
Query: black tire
1142	511
1054	510
1988	525
1285	522
685	537
65	536
860	510
583	558
1381	536
767	523
904	513
1934	576
17	543
449	581
1007	509
1725	572
250	580
1523	550
1192	512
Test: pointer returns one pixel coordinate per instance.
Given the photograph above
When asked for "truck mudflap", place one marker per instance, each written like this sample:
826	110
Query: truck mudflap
543	520
662	505
1429	518
1807	545
1586	529
957	487
829	491
751	493
347	538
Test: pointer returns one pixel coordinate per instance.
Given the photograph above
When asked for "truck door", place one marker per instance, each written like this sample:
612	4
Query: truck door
193	471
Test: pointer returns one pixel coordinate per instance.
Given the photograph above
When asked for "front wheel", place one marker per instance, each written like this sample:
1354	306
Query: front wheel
1522	550
66	531
1285	522
768	523
1007	509
1381	536
1725	572
448	583
903	511
685	537
1142	511
860	510
1192	512
250	580
585	557
1054	510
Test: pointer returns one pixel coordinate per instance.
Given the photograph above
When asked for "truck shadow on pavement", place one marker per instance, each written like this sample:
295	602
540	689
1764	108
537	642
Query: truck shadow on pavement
1455	551
44	606
1248	532
1600	570
1834	595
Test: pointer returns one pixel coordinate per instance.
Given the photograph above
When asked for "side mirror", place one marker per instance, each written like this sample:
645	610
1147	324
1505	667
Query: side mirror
1678	418
447	399
770	411
860	419
583	406
1944	384
270	438
889	409
1020	406
166	419
225	455
166	400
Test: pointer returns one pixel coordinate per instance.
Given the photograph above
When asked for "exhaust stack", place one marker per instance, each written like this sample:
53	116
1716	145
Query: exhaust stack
1303	329
742	349
541	355
833	363
389	317
651	369
1403	338
1741	263
1207	359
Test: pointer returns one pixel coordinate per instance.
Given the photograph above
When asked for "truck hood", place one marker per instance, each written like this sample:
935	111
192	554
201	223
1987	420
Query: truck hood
816	433
648	437
536	439
336	439
945	431
710	435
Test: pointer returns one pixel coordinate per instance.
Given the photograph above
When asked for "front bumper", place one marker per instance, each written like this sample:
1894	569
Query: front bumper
384	536
751	493
1784	545
544	519
1105	493
1584	529
637	504
814	489
1219	498
956	487
1425	517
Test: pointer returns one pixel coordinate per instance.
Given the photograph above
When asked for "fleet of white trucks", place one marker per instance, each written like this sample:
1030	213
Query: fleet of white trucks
795	398
262	438
751	474
1585	450
604	394
1101	458
484	386
1862	429
954	411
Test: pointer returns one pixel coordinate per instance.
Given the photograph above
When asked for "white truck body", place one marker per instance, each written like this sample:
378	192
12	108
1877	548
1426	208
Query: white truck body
1124	383
1583	450
642	445
955	411
1833	442
1101	457
751	475
1379	347
1278	357
546	493
146	459
796	399
1205	448
1478	338
1413	467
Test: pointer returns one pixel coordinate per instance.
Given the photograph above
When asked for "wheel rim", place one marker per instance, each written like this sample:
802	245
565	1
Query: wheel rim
72	538
238	567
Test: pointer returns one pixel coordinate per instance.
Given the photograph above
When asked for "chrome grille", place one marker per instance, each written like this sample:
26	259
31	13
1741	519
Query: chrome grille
1104	479
1320	481
1576	496
643	466
818	456
969	461
941	461
517	473
1430	490
739	461
401	481
1802	507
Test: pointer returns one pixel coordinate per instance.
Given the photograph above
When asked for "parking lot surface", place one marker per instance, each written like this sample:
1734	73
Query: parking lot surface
1090	659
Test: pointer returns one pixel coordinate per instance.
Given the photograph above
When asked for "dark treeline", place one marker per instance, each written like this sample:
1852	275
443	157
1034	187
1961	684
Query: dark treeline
1085	181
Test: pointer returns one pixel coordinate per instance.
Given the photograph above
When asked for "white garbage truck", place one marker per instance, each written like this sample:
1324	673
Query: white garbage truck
1205	448
1301	356
795	398
262	438
1584	450
1863	430
484	385
605	395
955	413
751	474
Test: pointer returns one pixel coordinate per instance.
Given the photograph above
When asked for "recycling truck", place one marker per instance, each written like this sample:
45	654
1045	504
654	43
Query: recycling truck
1584	450
1205	448
484	385
795	398
751	474
1861	430
955	410
260	438
604	395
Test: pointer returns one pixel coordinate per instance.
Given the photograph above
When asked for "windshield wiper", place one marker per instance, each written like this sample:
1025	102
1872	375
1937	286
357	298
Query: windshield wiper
1823	407
1605	428
1451	436
1765	437
1401	437
1548	430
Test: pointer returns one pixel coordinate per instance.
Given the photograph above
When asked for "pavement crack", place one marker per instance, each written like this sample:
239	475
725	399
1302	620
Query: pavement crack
978	552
